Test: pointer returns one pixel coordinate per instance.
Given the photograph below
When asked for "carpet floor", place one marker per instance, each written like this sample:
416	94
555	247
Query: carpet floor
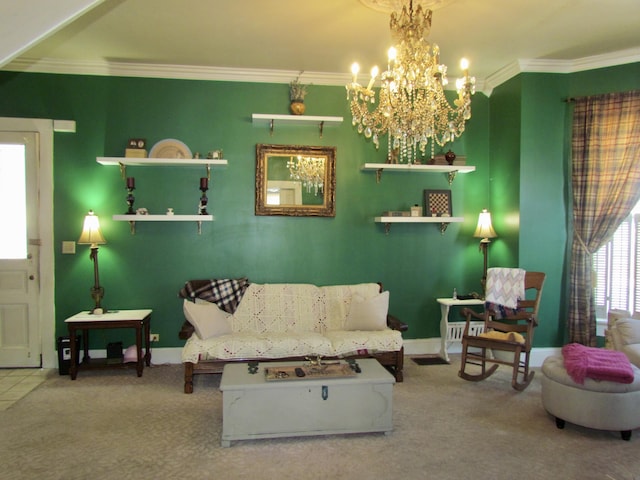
114	425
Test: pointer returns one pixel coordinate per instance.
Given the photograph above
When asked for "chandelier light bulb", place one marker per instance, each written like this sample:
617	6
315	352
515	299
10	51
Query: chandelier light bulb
355	68
392	54
464	65
374	74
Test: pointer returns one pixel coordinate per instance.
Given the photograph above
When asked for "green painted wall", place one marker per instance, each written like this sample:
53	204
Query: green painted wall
530	177
543	196
517	140
504	181
415	262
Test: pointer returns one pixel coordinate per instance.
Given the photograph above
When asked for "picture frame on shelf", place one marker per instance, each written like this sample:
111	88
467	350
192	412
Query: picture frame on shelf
437	203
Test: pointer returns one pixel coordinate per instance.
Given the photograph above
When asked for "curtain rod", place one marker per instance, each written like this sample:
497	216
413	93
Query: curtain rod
575	99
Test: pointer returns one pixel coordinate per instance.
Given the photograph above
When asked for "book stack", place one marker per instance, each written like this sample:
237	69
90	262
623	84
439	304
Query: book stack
396	213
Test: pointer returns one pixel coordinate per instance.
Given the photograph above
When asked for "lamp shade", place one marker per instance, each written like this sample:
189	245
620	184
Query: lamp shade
91	234
484	229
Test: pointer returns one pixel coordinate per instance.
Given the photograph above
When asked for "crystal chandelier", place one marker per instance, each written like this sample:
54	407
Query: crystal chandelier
412	107
309	170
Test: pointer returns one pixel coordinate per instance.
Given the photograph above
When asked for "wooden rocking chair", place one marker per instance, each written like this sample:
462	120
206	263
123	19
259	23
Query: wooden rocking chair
512	334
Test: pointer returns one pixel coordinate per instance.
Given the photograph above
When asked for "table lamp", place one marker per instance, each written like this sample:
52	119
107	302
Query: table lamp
91	235
485	231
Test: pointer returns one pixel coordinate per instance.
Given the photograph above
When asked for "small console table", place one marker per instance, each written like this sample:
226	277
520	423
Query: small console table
452	332
137	319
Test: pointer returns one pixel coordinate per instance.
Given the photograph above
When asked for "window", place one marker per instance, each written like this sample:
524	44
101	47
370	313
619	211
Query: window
13	201
617	276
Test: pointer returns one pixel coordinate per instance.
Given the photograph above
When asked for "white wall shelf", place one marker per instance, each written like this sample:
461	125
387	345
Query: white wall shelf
272	119
443	221
163	218
161	162
450	170
132	219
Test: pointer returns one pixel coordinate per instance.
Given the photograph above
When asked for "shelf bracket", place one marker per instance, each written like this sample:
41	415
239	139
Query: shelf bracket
271	123
443	228
451	176
387	228
321	127
379	175
199	222
123	171
132	227
208	172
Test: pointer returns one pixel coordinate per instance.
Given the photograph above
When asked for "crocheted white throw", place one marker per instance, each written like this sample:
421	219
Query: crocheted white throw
505	286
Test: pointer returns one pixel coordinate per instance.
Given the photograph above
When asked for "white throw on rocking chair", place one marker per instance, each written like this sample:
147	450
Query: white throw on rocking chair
509	322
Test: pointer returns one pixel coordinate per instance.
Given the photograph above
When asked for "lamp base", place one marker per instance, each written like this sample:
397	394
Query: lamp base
484	244
97	293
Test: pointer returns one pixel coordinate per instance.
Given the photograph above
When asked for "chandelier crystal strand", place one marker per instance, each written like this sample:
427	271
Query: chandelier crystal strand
309	170
412	108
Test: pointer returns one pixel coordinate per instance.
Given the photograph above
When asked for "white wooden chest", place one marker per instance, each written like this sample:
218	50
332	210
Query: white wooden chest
255	408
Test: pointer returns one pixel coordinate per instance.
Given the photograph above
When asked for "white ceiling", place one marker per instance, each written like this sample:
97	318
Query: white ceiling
275	39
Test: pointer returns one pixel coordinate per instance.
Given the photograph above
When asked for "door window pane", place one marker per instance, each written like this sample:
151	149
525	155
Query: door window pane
13	202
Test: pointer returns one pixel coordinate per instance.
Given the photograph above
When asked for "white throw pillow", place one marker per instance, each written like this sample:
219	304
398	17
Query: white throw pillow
629	330
368	314
208	320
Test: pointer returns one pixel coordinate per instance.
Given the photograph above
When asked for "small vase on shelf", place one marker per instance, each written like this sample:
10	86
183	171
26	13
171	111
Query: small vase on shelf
297	108
297	92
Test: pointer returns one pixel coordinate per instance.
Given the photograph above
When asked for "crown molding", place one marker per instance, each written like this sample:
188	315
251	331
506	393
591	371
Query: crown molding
191	72
184	72
594	62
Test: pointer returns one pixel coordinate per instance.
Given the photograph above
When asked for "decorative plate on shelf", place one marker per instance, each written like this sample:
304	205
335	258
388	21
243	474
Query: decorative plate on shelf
170	148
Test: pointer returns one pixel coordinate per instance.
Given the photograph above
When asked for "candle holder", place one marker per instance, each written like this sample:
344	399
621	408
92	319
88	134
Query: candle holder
131	186
204	186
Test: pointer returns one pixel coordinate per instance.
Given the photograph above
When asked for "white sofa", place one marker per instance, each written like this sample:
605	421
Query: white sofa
623	334
292	321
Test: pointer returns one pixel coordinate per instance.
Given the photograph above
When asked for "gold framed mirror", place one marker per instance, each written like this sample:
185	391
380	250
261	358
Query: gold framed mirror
295	180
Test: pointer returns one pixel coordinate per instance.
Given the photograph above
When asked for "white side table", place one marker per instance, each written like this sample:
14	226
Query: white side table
139	320
453	332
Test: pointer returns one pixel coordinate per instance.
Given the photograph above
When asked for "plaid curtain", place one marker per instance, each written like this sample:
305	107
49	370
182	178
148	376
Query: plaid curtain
606	186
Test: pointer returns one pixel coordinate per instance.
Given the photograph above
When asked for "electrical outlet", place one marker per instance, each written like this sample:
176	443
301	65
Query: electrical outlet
154	337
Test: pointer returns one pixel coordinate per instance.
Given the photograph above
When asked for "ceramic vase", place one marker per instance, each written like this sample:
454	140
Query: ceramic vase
297	108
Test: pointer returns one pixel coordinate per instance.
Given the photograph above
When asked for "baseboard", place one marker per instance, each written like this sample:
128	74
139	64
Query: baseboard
161	356
431	346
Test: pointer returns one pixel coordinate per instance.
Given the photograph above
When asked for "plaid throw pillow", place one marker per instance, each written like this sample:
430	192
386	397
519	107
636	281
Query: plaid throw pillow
226	293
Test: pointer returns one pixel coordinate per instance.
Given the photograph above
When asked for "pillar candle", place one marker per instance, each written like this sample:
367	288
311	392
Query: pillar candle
131	182
204	183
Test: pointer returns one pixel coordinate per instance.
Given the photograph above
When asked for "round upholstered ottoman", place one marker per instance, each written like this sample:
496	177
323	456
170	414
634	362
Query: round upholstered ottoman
596	404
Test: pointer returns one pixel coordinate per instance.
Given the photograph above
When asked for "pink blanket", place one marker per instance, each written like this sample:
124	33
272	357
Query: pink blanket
597	363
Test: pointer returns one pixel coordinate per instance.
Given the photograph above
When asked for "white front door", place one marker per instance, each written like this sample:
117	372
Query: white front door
20	344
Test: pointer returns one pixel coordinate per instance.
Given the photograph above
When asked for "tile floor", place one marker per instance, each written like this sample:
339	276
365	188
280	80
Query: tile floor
16	383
